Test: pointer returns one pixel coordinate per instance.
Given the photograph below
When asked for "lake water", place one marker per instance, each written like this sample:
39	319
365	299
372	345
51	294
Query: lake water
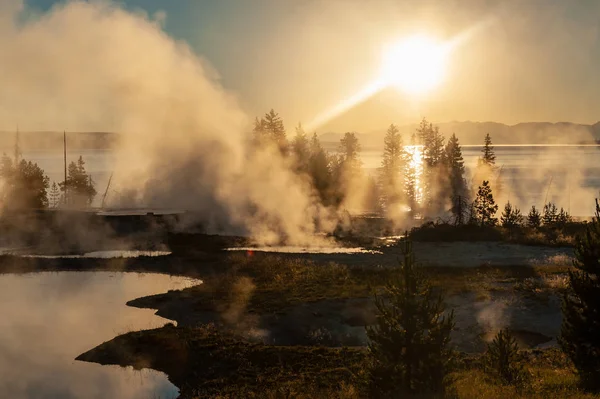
48	319
568	175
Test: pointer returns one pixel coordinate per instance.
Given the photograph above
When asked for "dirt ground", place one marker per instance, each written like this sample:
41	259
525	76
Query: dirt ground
473	254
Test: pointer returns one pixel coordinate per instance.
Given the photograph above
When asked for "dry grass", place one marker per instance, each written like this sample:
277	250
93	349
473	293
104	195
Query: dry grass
557	236
560	260
546	384
299	390
267	283
544	285
238	369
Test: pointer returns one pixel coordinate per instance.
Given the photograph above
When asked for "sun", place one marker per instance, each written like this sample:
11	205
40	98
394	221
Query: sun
415	65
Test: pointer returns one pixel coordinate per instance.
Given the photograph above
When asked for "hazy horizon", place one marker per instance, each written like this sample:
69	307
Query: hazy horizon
153	71
303	58
290	127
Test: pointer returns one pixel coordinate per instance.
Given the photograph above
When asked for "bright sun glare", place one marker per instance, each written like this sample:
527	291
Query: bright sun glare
415	65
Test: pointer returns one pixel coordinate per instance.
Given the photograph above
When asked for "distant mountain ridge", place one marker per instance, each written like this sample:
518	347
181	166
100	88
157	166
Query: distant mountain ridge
472	133
52	140
469	133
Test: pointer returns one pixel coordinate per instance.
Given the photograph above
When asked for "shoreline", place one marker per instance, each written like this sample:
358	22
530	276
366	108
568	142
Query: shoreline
305	306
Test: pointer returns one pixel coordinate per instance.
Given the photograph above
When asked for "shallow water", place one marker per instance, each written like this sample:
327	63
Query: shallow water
48	319
102	255
306	250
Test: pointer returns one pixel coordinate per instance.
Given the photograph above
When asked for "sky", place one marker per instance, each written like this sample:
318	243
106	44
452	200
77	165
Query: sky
523	60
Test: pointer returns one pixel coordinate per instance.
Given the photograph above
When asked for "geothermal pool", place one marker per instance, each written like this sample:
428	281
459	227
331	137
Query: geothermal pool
111	254
305	250
48	319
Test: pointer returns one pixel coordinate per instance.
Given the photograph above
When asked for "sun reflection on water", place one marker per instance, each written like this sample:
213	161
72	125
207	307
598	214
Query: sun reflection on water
415	169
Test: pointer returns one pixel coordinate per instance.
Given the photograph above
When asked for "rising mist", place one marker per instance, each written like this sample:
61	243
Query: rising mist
184	139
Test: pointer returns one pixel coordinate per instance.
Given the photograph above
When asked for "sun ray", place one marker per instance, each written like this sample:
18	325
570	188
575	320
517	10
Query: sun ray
348	103
443	49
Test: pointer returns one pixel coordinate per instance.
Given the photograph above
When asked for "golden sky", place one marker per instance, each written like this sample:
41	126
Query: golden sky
522	60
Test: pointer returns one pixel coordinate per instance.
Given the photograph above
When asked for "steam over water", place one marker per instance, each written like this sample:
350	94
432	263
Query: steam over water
184	140
48	319
569	175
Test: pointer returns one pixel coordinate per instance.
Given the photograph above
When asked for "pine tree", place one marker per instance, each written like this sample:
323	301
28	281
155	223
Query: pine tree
503	359
433	157
460	210
489	157
390	173
534	219
410	187
259	130
25	184
54	196
563	218
301	150
348	162
432	142
319	170
7	169
511	217
580	332
346	168
485	206
79	189
473	217
458	186
273	124
270	129
486	167
456	167
409	344
550	214
411	176
349	148
372	200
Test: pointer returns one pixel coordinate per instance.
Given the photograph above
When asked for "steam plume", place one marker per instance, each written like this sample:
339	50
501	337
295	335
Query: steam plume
184	144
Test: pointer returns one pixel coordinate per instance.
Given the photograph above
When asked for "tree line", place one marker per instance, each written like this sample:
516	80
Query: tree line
423	176
26	186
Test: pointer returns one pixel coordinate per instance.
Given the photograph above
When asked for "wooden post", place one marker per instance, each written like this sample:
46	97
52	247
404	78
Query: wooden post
65	162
